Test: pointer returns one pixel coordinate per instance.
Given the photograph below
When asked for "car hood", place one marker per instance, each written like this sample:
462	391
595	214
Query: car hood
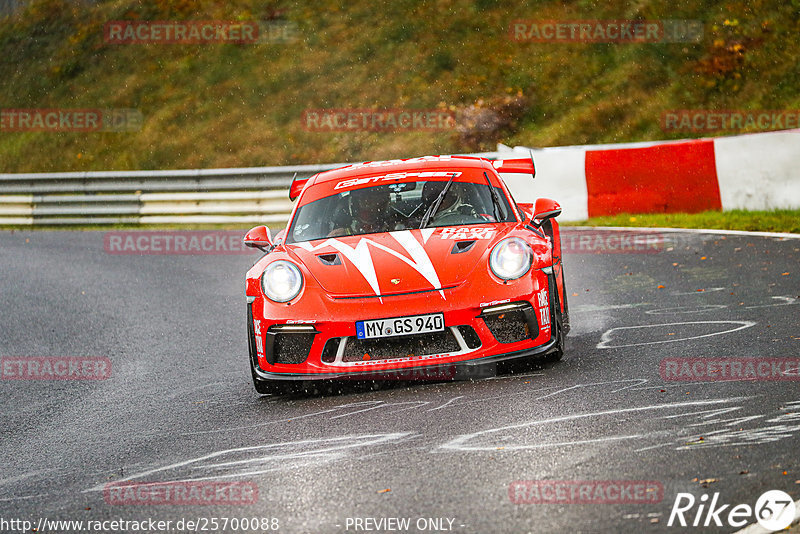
396	262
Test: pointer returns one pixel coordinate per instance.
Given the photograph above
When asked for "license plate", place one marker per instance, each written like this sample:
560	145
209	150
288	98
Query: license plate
400	326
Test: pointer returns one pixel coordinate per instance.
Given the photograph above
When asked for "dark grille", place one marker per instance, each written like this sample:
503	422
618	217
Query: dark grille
400	347
508	327
470	336
329	352
292	348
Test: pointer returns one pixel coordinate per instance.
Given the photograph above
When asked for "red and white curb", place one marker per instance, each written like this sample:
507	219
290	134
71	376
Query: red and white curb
751	172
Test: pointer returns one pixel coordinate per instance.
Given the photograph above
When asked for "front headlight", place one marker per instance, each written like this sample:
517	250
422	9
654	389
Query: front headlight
511	258
282	281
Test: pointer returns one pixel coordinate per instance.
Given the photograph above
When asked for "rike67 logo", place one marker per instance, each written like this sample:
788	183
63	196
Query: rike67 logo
774	510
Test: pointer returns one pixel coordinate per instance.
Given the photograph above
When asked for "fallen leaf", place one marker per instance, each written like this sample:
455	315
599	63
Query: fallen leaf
574	294
384	491
675	264
702	258
784	274
745	472
709	481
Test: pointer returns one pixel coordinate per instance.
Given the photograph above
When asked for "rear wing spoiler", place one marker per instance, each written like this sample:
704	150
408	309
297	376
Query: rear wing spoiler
297	186
520	166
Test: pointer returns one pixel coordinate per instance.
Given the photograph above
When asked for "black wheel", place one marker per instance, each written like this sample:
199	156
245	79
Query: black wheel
565	319
557	352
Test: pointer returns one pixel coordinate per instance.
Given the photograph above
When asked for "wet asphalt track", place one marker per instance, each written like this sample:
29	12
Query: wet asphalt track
179	400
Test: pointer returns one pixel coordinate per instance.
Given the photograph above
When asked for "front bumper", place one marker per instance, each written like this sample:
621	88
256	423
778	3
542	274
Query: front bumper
462	370
534	301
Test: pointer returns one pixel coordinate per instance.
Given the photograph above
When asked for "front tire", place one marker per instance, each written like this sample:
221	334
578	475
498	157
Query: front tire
557	352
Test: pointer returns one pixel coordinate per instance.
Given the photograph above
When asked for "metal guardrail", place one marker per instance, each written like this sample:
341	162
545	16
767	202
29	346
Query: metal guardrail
206	196
243	195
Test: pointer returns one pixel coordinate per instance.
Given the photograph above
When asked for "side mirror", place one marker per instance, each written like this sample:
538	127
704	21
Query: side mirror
259	237
544	209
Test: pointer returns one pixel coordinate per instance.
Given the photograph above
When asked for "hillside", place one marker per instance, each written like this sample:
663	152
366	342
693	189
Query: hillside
232	105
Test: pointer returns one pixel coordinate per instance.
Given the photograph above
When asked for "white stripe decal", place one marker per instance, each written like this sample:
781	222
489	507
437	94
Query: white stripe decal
361	257
420	261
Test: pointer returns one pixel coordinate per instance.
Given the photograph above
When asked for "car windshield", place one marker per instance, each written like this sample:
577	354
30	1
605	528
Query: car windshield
385	208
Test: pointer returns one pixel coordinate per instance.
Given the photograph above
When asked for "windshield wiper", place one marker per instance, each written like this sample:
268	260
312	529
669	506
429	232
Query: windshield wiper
496	205
435	206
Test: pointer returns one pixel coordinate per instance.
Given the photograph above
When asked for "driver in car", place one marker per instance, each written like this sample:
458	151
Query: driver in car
455	207
369	213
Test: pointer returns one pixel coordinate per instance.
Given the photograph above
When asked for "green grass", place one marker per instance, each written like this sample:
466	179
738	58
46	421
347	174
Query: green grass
754	221
228	105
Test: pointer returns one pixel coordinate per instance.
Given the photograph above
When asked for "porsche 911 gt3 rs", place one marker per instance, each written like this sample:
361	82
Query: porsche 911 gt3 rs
393	267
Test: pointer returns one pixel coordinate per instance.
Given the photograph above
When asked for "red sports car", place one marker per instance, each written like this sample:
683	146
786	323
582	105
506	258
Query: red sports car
392	268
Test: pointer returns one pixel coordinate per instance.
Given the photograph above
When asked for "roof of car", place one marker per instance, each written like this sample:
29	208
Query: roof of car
403	165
